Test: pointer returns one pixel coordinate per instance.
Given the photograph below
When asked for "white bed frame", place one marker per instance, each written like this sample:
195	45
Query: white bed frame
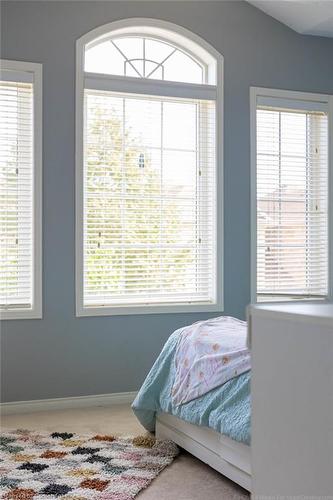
230	458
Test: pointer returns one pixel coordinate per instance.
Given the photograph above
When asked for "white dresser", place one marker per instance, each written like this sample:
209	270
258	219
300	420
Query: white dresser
292	400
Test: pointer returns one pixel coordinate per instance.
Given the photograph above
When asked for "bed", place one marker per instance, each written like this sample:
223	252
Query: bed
215	427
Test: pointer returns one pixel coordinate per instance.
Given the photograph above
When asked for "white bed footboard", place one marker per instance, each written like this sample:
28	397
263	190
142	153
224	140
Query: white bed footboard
230	458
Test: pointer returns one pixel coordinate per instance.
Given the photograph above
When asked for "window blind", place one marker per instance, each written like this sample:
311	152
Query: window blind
292	201
149	200
16	195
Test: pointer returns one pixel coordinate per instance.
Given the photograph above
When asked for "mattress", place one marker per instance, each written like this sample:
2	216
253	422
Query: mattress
226	409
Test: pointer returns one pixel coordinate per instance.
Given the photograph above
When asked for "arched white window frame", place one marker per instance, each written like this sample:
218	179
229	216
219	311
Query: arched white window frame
212	88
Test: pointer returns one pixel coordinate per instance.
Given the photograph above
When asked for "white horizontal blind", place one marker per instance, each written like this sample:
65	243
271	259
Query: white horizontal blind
149	200
292	202
16	195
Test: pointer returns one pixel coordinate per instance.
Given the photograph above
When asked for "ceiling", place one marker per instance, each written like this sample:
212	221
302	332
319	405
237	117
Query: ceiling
308	17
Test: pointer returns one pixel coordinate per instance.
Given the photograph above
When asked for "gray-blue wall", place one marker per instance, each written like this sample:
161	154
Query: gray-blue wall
62	355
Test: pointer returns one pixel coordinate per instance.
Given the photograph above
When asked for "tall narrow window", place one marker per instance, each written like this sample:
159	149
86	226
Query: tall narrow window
292	204
20	193
147	204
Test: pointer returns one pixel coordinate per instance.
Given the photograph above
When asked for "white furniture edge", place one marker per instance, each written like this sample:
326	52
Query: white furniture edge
304	311
229	457
292	407
34	405
301	312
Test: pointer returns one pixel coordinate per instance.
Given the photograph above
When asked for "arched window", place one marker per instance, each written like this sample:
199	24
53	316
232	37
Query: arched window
148	204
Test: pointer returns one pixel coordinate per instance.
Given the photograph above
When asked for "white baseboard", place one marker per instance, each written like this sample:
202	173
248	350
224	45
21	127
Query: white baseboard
65	403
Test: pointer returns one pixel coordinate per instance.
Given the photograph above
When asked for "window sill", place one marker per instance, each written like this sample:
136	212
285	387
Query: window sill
148	309
289	299
20	314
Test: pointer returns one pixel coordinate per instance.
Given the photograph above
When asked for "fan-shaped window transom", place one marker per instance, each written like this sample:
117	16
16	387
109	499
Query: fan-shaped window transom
143	57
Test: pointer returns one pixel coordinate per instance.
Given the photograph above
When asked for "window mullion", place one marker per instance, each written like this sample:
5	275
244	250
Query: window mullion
123	200
144	56
162	226
198	242
125	58
308	175
161	65
21	224
279	263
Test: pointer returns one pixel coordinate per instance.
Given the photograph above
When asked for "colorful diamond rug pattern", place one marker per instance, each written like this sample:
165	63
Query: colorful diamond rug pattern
68	466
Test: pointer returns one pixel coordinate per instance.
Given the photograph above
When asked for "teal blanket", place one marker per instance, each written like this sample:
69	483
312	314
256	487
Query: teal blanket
225	409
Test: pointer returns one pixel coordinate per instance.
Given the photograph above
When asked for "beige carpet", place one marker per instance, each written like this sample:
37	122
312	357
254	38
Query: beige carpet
186	479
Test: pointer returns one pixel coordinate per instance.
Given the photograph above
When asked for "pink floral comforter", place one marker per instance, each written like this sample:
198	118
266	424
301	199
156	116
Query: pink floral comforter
209	353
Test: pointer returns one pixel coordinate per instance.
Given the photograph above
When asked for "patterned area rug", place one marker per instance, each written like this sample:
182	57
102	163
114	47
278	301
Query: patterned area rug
66	466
